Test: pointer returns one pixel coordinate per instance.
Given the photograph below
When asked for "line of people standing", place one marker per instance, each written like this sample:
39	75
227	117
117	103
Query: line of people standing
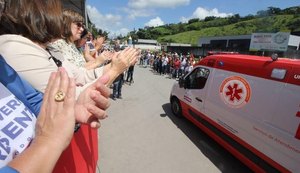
120	80
170	63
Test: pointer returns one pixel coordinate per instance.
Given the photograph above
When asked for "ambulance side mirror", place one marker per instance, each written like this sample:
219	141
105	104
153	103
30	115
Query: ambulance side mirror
274	56
181	82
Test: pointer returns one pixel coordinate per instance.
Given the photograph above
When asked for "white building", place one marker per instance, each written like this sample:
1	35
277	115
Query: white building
145	44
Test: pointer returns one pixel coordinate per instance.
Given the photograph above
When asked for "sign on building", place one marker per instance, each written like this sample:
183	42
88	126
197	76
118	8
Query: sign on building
269	41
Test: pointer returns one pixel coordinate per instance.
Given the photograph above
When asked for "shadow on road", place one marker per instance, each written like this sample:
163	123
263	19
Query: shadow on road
220	157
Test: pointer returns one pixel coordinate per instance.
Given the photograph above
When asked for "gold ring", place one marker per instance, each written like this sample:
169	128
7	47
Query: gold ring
59	96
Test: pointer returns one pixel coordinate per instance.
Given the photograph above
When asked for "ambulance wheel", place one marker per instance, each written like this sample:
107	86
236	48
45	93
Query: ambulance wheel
176	107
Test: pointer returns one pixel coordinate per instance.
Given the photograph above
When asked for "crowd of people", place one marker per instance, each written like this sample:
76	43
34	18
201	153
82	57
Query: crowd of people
172	64
55	79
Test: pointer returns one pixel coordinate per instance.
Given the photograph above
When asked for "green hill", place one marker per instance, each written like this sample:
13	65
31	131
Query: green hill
266	24
271	20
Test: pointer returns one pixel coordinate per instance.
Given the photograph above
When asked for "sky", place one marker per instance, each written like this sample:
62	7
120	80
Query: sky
118	17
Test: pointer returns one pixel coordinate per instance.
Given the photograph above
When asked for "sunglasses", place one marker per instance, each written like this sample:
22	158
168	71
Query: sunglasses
79	24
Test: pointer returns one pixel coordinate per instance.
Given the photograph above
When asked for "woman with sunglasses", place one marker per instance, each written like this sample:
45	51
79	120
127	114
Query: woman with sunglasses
73	29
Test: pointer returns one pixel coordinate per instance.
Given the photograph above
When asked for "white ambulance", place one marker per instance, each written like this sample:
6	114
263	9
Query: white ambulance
248	104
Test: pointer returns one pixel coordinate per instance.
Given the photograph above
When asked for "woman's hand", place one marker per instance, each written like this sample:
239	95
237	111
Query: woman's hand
56	121
121	61
92	103
87	55
99	42
107	54
54	127
103	57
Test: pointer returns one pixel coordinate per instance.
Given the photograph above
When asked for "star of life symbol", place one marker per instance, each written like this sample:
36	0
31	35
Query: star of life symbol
235	91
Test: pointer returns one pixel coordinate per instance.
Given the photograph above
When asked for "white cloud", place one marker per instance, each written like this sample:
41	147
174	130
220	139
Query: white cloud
155	22
107	22
138	4
201	13
184	19
134	13
123	31
146	8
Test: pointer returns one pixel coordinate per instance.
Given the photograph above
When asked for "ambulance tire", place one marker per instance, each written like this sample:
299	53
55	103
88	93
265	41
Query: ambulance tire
176	107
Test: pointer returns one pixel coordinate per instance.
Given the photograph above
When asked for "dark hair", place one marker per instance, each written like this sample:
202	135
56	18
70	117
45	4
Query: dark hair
84	33
2	6
39	21
70	16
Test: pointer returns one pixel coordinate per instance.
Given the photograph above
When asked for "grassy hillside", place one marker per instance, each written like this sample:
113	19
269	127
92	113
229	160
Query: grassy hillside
276	23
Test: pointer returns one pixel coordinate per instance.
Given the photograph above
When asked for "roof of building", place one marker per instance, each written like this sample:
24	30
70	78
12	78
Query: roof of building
206	40
147	41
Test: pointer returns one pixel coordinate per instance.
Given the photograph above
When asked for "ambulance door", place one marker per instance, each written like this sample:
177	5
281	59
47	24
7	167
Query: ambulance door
195	87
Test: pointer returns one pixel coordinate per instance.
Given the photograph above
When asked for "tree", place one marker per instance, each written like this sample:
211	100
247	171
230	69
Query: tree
248	17
294	25
209	18
193	20
274	10
192	27
262	13
181	27
93	29
292	10
103	33
143	34
241	25
234	19
155	33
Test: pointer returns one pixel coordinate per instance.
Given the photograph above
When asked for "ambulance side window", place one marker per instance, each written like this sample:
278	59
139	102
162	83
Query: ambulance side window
197	78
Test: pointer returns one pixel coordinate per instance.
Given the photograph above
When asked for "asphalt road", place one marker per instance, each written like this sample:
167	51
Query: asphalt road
141	135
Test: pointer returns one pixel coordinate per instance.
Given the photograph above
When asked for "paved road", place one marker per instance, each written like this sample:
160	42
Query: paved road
142	136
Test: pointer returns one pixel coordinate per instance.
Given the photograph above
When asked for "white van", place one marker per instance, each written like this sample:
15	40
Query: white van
248	104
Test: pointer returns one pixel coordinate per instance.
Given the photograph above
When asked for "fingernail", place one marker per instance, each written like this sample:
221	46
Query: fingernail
61	69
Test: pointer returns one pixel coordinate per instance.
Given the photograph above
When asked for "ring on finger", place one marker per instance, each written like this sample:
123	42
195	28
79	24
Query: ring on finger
59	96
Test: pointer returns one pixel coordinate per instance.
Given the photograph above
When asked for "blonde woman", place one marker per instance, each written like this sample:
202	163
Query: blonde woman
73	28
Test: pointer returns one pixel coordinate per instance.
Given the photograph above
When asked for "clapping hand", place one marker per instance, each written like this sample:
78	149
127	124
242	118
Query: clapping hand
56	121
92	103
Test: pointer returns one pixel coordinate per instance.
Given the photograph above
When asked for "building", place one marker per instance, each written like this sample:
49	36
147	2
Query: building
241	44
78	6
146	44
